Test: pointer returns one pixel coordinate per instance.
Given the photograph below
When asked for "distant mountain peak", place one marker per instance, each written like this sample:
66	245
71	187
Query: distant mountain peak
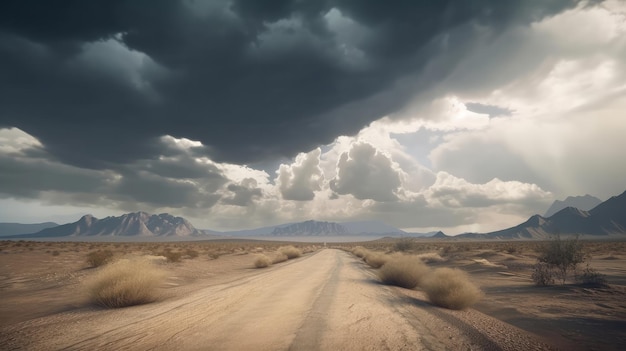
607	218
585	203
130	224
440	234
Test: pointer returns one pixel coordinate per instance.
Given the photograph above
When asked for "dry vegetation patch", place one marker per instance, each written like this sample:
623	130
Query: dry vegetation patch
290	251
375	259
404	271
359	251
126	282
450	288
262	261
99	258
279	257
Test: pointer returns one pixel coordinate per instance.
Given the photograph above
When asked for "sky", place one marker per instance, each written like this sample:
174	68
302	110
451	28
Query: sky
461	116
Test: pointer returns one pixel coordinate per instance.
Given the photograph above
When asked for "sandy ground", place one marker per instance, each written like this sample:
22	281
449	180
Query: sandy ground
326	300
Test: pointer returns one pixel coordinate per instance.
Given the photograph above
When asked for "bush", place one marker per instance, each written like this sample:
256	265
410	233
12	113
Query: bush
404	244
262	261
280	257
543	274
592	278
191	253
376	260
563	255
290	251
405	271
99	258
450	288
125	283
359	251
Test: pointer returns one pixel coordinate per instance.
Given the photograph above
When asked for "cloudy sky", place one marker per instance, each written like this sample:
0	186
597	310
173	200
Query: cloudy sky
453	115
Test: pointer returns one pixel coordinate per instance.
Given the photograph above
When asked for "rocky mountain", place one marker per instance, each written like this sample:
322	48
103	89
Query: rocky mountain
584	203
608	218
129	225
440	235
19	228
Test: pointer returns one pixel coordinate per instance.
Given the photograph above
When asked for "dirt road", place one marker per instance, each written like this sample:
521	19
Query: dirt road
325	301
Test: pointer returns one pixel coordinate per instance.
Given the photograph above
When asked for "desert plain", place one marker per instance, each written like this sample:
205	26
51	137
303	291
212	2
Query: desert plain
212	296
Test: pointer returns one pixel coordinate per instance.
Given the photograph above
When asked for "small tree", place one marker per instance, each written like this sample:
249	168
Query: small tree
562	255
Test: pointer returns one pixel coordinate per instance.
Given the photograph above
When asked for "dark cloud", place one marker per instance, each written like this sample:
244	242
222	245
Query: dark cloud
243	194
27	178
178	182
99	82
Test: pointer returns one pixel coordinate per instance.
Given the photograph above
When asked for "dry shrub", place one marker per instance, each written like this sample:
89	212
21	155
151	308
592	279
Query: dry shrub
290	251
592	278
99	258
191	253
403	271
359	251
542	275
376	260
450	288
279	257
404	244
262	261
127	282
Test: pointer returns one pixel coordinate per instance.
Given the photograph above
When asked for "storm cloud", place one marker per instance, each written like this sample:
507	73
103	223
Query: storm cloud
441	115
99	83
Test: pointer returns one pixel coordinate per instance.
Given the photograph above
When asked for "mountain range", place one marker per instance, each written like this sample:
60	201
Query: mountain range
607	218
584	203
144	225
130	225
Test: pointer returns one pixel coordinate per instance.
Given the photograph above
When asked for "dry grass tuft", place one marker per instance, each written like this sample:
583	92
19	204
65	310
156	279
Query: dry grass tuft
450	288
376	260
262	261
279	257
359	251
99	258
127	282
403	271
290	251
